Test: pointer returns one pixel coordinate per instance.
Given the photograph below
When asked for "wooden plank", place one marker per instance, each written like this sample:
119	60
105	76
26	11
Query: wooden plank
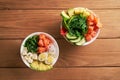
20	23
10	53
99	53
38	4
101	73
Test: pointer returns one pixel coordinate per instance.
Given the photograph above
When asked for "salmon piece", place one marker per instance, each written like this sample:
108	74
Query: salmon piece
42	36
46	42
40	43
93	34
88	37
42	49
90	29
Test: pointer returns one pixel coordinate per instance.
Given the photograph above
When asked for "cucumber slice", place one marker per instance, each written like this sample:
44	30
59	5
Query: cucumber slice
65	24
76	40
71	12
64	15
81	42
70	36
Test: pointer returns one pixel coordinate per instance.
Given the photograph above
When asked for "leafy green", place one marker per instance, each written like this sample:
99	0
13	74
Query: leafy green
76	25
31	44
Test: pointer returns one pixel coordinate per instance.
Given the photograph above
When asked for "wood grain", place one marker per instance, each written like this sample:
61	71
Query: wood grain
103	73
20	23
55	4
99	53
97	61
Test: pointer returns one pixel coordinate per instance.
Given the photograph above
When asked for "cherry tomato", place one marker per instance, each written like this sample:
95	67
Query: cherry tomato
63	31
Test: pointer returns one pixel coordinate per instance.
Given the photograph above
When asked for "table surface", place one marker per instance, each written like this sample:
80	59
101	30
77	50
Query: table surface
97	61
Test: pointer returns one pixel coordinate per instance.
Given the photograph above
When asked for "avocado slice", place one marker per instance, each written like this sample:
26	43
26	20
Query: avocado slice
71	12
79	10
81	42
44	67
49	67
70	36
40	66
86	13
76	40
34	65
64	15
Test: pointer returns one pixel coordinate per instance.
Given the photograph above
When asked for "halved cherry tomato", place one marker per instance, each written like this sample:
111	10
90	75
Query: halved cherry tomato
63	31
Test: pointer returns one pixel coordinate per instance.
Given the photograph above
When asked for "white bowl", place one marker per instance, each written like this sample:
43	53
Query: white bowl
37	33
93	39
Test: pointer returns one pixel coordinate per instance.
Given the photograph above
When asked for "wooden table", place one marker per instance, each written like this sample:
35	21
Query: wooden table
97	61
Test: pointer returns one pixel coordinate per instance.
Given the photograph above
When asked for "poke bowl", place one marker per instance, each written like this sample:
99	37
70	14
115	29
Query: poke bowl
39	51
80	26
